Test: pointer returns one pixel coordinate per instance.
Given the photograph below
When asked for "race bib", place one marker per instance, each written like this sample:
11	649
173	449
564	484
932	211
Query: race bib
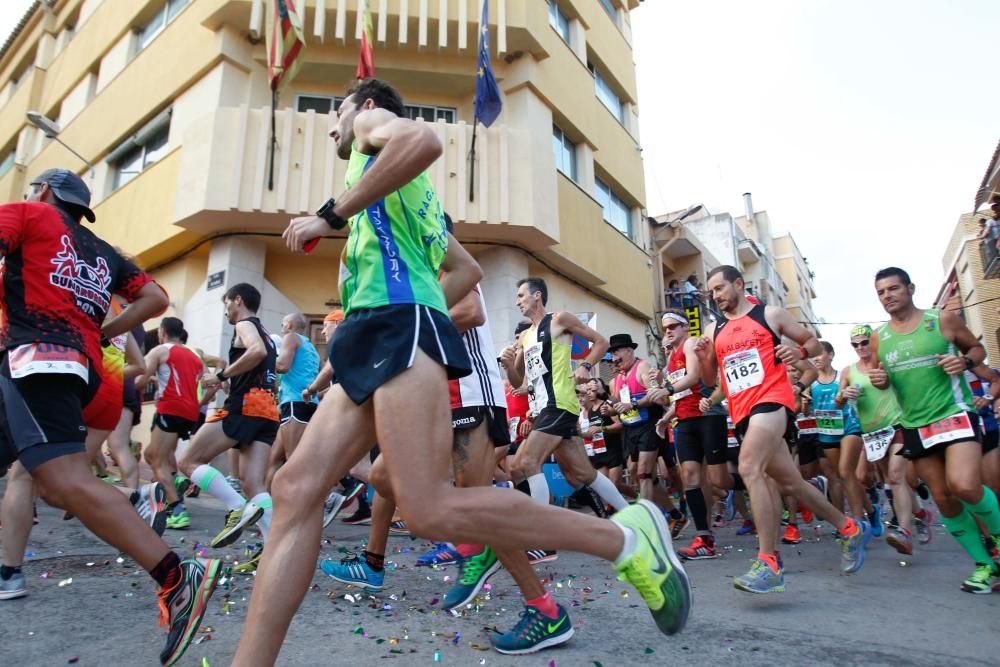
743	370
598	443
512	425
534	367
807	425
632	416
589	447
829	422
877	443
675	377
956	427
35	358
731	433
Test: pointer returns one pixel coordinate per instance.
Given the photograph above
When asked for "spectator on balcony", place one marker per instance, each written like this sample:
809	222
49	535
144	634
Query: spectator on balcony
674	294
691	296
986	229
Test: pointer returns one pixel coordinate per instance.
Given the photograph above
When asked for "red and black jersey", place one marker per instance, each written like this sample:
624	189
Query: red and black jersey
57	279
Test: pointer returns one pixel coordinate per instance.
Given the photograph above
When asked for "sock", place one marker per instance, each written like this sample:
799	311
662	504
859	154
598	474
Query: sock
676	515
849	529
539	488
588	497
628	547
212	481
699	510
965	530
684	506
545	604
523	487
987	510
133	497
264	500
738	483
7	571
375	561
770	559
607	490
468	550
168	571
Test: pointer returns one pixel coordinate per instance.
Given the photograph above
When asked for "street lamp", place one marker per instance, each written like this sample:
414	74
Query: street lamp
51	130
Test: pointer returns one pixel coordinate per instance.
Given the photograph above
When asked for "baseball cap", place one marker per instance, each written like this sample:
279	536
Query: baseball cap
67	187
861	330
336	315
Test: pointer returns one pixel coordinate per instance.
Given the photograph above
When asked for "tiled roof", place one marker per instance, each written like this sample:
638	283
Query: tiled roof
20	25
984	190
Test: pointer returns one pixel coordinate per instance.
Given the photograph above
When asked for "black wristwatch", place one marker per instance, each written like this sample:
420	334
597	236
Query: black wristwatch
969	363
801	386
670	389
587	365
221	375
326	212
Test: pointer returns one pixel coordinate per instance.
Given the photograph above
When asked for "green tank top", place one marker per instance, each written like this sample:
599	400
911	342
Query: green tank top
926	393
877	408
395	246
550	376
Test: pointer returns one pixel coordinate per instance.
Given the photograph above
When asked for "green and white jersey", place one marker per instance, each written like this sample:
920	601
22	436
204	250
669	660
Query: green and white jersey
926	393
547	366
877	408
395	247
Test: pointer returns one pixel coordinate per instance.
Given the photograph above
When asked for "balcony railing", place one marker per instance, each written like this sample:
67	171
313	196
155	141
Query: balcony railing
990	254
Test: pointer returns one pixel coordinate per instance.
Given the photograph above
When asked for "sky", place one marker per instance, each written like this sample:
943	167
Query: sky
863	128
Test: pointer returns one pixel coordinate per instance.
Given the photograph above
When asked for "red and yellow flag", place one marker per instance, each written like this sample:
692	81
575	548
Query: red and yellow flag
366	58
285	42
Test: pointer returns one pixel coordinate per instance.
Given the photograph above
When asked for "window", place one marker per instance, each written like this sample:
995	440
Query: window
616	212
610	9
558	21
167	13
565	153
607	96
429	112
140	150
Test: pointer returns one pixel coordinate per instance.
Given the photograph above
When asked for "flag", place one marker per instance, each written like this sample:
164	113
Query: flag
366	58
285	43
488	104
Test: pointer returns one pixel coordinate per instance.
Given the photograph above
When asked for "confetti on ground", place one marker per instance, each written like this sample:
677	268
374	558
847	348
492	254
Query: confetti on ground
65	582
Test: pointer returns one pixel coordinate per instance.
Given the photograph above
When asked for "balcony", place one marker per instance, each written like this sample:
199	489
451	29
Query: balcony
748	251
990	254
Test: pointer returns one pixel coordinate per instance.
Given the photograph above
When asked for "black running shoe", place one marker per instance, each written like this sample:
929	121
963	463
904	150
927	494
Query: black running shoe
183	606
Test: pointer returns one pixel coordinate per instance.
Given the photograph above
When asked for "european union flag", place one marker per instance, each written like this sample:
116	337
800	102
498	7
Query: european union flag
488	104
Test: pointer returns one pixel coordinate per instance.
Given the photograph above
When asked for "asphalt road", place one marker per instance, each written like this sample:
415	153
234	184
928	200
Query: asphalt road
87	608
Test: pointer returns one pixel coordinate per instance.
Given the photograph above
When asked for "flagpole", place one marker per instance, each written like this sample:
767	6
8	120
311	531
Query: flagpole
274	138
472	161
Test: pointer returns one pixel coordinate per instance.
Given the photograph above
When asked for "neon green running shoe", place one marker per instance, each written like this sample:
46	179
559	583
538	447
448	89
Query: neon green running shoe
534	632
654	569
475	570
983	580
179	521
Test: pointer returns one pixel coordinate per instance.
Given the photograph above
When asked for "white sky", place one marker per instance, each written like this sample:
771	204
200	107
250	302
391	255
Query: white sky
862	127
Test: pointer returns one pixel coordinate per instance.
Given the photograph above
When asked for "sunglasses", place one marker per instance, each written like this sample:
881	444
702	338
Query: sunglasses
671	327
863	343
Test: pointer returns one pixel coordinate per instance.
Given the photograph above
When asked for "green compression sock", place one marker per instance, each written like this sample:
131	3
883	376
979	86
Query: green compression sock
966	531
987	510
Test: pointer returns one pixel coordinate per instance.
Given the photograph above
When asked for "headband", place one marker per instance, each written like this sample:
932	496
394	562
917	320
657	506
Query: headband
680	319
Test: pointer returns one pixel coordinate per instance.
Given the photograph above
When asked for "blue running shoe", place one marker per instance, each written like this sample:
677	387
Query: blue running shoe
761	579
854	548
878	529
475	571
354	571
534	632
748	528
441	554
730	512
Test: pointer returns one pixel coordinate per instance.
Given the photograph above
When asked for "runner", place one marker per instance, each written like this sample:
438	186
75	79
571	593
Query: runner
922	355
248	422
543	357
879	414
58	281
177	371
603	433
746	347
397	344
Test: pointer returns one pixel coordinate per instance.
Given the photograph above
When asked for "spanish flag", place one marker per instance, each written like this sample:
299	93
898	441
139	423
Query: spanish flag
366	58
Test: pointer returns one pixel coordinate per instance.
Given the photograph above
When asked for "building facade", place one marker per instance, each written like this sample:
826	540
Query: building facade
169	100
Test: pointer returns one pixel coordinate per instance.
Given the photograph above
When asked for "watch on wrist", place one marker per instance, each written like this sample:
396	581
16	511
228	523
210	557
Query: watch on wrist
969	363
802	387
326	212
670	389
587	365
221	375
635	403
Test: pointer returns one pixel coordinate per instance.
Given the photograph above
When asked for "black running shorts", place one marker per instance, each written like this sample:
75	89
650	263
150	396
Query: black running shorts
300	411
913	447
990	441
554	421
791	430
469	418
702	439
374	345
173	424
245	430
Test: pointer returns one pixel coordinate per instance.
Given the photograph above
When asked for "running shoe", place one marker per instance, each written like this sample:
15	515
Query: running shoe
821	484
155	498
234	482
922	521
893	521
730	511
761	579
183	606
179	521
984	579
702	547
854	548
337	501
748	528
792	535
475	570
878	528
992	544
785	517
677	526
236	521
398	527
250	565
13	588
653	568
718	521
193	491
807	515
363	515
354	570
441	554
899	539
181	484
536	556
534	632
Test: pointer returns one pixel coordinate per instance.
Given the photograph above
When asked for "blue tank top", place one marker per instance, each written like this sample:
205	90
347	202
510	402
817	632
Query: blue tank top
305	367
833	423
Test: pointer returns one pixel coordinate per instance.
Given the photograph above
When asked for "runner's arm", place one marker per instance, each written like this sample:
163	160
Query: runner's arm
468	312
460	273
572	325
840	400
972	349
877	375
135	365
255	350
512	358
210	360
692	368
615	426
289	346
150	301
154	358
809	372
321	382
786	326
705	349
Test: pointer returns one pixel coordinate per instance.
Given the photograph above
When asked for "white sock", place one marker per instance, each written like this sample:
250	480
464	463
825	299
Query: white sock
606	489
628	547
263	500
539	488
212	481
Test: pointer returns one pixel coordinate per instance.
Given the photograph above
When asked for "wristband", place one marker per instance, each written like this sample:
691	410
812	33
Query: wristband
670	389
587	365
802	351
801	386
969	363
221	375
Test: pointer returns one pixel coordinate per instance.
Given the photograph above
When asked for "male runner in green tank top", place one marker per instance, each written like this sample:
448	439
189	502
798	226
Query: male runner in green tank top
922	355
395	343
